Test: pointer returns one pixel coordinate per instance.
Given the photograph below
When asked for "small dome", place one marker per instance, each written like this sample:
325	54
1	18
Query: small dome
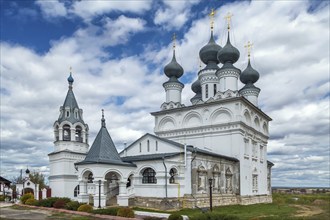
173	69
70	79
196	87
27	171
249	75
228	53
209	51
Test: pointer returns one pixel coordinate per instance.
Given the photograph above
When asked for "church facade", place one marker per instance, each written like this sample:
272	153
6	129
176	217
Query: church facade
218	144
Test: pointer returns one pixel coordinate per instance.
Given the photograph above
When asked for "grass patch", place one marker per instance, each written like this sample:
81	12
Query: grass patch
18	207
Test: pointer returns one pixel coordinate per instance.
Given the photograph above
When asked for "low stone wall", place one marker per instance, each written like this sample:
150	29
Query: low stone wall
200	201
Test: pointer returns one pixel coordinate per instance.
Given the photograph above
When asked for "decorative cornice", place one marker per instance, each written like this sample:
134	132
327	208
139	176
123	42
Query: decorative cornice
228	73
173	85
250	92
170	105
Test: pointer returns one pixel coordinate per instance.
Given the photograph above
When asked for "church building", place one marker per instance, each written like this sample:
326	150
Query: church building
217	143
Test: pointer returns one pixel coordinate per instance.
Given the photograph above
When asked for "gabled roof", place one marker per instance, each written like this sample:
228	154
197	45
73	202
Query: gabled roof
156	137
4	180
103	150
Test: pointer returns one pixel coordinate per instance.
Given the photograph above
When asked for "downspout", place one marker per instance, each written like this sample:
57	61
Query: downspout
165	177
185	155
192	174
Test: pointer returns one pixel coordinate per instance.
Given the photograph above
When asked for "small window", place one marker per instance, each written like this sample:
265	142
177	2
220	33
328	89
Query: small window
206	91
76	191
214	89
148	145
149	176
156	145
173	174
140	148
67	114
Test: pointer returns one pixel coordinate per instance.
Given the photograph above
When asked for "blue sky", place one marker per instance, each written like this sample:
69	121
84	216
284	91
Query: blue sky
118	49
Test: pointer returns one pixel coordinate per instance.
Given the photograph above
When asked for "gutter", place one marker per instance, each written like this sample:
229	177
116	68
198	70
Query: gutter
165	177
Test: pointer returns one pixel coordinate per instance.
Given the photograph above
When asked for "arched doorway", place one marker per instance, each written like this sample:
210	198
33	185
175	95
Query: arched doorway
27	190
112	187
88	187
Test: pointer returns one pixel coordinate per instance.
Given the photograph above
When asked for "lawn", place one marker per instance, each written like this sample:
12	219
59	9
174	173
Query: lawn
284	206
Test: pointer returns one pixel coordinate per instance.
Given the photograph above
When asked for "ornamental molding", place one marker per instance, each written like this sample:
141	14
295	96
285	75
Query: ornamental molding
250	92
228	73
170	105
173	85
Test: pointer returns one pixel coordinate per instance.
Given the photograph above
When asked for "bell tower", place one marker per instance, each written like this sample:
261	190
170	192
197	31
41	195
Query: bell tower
70	146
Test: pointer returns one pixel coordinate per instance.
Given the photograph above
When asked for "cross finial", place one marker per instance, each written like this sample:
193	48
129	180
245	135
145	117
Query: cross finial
228	18
102	113
103	120
174	39
248	46
70	69
212	14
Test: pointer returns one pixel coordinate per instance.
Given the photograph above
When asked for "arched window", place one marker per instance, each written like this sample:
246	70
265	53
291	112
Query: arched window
66	133
78	134
129	181
173	174
90	178
149	176
76	191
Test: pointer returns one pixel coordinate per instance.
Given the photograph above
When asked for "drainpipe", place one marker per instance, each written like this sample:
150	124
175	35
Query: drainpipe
195	152
165	177
185	155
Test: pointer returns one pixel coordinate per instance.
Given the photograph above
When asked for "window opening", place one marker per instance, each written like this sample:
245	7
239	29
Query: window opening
66	133
76	191
78	134
149	176
173	174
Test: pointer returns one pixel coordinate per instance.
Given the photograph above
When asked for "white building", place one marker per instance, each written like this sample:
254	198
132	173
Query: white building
222	137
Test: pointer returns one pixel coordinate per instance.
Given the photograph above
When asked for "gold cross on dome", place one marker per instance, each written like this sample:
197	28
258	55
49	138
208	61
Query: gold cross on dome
173	39
212	14
228	18
248	46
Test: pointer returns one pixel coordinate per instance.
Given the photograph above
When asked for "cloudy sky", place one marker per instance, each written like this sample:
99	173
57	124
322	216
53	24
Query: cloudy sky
117	51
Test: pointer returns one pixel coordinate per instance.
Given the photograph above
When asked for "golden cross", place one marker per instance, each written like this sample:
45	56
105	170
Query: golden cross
70	69
249	47
173	39
102	113
212	14
228	18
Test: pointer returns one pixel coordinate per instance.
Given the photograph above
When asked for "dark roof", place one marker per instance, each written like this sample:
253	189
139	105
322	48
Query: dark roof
269	163
201	151
149	157
66	151
103	150
4	180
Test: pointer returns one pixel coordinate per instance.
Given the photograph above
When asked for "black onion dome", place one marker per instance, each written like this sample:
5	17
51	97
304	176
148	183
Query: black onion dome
249	75
196	87
173	69
27	171
228	53
209	51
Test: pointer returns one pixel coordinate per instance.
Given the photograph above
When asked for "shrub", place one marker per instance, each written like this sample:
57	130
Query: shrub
85	208
152	218
175	217
212	215
108	211
59	204
125	212
2	198
49	202
31	202
26	197
73	205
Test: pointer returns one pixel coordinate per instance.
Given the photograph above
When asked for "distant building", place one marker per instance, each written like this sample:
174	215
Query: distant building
5	189
218	140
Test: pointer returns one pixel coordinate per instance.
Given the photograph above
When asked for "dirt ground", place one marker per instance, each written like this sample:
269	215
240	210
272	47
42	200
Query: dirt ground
305	211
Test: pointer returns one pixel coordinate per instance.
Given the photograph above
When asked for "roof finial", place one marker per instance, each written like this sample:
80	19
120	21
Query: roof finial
103	120
212	14
248	46
174	39
228	18
70	78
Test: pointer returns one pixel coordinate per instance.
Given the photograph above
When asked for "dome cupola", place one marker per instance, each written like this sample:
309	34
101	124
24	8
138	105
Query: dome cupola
196	87
249	75
209	52
229	53
173	69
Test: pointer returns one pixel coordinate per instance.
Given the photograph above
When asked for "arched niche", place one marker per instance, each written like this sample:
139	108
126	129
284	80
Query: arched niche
221	116
167	123
192	119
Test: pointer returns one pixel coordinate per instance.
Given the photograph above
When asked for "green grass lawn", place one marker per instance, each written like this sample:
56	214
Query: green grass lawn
284	206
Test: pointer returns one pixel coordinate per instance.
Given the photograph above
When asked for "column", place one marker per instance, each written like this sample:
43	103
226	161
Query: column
83	196
122	198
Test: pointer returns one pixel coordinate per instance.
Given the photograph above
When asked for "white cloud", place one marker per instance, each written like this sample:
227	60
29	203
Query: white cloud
51	9
174	15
